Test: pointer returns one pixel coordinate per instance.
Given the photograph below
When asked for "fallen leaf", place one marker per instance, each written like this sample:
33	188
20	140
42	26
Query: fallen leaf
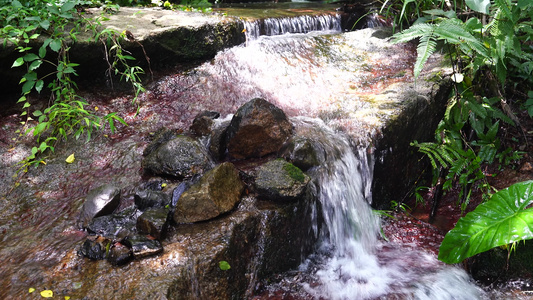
47	294
70	159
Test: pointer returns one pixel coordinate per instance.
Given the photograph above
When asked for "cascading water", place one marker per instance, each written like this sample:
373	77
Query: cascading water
352	262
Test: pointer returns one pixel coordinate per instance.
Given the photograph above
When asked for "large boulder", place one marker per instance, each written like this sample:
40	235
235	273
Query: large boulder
100	201
217	192
279	180
182	157
258	128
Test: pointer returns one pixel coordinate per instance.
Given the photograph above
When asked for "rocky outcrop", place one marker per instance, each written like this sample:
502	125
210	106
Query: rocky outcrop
217	192
258	128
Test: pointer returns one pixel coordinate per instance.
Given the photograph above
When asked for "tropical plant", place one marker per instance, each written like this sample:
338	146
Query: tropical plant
506	218
55	26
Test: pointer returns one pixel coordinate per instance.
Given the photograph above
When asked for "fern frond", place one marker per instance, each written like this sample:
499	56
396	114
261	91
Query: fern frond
413	32
426	47
453	32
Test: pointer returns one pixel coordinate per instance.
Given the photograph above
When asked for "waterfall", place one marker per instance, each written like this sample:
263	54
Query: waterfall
352	262
299	24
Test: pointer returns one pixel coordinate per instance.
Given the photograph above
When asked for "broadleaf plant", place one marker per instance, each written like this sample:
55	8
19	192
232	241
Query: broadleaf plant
505	218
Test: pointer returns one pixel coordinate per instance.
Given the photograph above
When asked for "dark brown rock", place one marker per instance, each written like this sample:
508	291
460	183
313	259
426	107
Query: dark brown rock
217	192
154	222
258	128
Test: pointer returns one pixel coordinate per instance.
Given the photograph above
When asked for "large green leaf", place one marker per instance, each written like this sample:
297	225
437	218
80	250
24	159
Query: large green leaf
505	218
481	6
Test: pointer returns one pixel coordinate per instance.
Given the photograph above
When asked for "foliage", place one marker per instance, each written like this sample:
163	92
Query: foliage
489	45
467	137
54	26
505	218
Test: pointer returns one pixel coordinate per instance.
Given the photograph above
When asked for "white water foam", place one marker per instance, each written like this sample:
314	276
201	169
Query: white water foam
352	262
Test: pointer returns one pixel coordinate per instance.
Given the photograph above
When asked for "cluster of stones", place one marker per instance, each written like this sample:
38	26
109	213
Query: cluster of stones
207	183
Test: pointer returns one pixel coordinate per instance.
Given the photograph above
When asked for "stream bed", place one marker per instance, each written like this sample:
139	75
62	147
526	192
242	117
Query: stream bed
349	83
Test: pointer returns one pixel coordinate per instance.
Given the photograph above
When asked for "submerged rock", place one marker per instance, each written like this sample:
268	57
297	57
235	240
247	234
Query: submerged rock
258	128
217	192
142	246
99	202
280	180
181	157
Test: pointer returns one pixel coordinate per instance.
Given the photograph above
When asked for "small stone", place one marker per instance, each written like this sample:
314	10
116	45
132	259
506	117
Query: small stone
146	199
99	202
95	247
119	254
154	222
142	246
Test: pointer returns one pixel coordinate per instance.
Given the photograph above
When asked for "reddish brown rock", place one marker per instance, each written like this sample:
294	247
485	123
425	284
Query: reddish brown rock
258	128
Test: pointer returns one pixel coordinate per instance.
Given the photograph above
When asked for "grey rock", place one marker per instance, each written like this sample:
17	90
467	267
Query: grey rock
181	157
279	180
99	202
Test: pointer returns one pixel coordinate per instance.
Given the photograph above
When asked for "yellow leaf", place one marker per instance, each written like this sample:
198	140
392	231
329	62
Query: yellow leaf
47	294
31	290
70	158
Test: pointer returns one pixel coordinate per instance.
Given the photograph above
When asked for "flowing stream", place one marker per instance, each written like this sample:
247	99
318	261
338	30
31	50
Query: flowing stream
329	78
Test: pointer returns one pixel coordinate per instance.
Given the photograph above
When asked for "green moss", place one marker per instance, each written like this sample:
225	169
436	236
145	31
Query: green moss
294	172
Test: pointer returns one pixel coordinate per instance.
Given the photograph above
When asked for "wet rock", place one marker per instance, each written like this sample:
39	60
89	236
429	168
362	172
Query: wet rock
154	222
217	140
119	254
280	180
217	192
180	157
115	226
160	137
99	202
95	247
203	122
146	198
258	128
303	153
142	246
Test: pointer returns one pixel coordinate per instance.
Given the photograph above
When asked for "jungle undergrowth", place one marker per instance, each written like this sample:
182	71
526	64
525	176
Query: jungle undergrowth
42	32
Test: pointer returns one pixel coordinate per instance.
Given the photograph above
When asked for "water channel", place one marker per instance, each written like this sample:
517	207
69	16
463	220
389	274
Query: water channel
320	82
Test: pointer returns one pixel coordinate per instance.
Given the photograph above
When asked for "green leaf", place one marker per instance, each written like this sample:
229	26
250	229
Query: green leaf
505	218
224	265
18	62
481	6
55	45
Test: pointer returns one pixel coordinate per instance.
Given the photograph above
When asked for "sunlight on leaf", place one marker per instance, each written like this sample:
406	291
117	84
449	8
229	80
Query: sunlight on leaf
70	159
